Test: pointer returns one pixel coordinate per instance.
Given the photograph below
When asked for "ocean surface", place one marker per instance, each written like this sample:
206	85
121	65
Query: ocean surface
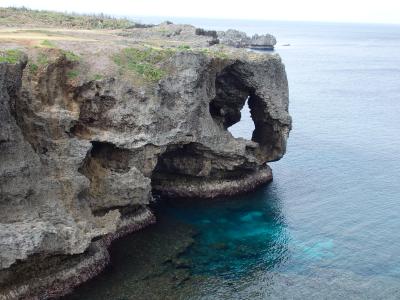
328	226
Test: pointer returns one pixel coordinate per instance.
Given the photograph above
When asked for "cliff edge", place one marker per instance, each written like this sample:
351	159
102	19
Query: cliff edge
95	122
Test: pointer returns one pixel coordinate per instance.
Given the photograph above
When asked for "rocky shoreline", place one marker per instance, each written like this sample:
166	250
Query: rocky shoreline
95	121
52	281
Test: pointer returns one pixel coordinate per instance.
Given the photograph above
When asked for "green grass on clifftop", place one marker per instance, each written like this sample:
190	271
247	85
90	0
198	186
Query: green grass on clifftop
71	56
19	16
45	56
144	62
10	56
220	53
47	44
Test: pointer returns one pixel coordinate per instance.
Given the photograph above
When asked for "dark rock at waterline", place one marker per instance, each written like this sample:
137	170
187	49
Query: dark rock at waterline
181	263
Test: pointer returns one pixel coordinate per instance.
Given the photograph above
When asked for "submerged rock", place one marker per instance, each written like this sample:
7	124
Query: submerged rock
81	157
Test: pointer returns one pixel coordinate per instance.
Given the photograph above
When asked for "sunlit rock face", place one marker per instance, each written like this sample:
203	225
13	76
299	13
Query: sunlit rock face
80	160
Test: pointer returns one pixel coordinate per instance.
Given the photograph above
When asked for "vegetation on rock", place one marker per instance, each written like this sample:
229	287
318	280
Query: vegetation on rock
184	47
11	56
144	62
42	59
98	77
72	74
13	15
33	68
71	56
47	44
220	53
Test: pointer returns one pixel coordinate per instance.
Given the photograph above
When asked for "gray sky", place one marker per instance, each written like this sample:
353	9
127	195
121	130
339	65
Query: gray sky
382	11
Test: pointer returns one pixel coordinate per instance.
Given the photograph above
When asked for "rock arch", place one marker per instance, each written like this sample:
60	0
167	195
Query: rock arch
237	83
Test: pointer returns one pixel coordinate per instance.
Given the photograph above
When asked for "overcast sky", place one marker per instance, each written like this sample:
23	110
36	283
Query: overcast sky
370	11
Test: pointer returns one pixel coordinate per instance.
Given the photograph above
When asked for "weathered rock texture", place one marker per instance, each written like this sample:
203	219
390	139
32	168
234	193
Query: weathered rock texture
264	41
240	39
80	158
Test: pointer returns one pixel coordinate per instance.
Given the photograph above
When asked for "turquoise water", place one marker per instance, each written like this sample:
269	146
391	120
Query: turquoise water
328	226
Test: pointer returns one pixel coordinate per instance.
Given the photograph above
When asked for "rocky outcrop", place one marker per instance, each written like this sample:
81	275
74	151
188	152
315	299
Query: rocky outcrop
80	159
262	42
240	39
210	33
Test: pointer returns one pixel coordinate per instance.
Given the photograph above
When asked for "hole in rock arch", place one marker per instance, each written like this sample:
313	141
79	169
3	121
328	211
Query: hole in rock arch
245	127
233	103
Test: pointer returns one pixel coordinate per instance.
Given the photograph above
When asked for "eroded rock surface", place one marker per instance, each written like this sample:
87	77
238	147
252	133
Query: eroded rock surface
81	157
240	39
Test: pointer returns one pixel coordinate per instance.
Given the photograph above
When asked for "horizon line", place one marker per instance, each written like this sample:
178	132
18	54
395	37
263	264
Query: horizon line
256	20
222	18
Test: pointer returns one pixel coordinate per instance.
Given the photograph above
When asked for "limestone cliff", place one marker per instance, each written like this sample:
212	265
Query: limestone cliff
83	150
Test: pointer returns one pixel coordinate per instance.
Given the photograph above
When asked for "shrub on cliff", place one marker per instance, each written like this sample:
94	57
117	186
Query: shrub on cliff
144	62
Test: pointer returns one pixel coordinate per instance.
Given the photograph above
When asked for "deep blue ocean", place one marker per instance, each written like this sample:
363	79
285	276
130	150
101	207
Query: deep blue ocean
328	226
